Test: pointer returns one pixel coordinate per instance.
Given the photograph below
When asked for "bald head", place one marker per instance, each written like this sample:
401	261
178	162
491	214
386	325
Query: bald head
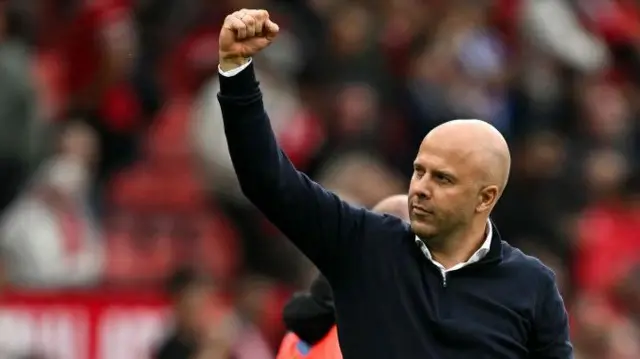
459	174
482	145
397	205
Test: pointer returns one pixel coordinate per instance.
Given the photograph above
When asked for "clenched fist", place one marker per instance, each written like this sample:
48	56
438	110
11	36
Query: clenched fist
244	33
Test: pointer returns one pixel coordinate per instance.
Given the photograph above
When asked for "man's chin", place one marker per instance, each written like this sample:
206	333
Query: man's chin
423	230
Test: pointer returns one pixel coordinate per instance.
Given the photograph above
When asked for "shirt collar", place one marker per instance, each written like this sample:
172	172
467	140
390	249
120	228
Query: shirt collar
476	257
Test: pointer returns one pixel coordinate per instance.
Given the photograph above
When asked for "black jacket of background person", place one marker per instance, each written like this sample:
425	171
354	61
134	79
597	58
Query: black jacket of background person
391	302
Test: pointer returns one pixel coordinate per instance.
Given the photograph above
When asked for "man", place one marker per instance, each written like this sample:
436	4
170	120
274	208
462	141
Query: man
442	286
310	317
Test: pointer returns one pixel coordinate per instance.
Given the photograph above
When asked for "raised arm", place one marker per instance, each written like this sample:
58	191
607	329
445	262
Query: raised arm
325	228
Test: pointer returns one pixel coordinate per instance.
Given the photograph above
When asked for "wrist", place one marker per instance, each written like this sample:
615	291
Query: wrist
231	63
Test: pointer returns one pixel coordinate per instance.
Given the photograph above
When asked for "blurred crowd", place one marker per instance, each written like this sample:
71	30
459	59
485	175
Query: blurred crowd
114	170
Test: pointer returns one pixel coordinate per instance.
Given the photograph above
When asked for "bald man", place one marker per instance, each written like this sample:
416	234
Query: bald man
444	284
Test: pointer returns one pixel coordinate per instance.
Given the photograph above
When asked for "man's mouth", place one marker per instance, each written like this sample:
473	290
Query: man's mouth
421	210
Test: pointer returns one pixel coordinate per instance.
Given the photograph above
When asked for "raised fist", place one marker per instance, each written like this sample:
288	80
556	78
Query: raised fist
243	34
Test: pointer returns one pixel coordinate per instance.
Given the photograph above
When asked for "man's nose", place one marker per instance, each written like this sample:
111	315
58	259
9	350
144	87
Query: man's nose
424	188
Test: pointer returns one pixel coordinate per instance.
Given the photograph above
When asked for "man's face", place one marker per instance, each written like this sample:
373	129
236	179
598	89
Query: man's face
444	190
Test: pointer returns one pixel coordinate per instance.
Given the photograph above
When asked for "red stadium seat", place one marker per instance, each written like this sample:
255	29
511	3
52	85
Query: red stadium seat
169	209
120	256
216	247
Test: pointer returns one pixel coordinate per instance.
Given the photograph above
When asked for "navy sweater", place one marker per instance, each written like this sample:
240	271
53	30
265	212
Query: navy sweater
391	302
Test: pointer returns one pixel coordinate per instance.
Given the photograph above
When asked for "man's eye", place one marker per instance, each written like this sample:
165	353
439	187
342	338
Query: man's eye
442	178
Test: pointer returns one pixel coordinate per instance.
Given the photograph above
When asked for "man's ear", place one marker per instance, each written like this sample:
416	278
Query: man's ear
487	198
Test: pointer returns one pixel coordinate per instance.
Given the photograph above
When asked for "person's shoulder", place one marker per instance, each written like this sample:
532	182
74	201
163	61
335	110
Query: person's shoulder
385	224
386	232
526	265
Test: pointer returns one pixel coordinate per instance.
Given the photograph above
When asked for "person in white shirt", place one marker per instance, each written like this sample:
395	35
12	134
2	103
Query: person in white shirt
48	237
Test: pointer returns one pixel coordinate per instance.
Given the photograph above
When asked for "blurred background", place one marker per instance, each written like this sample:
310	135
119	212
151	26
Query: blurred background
121	216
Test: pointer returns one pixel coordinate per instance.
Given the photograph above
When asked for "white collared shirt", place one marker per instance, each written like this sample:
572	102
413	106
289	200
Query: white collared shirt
235	71
476	257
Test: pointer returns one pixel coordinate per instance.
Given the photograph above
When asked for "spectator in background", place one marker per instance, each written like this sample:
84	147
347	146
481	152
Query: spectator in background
189	294
22	135
608	240
249	342
552	27
48	237
602	333
97	44
628	294
203	331
360	177
217	342
539	180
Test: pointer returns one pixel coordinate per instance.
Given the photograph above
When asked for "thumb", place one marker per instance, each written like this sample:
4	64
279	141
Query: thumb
261	42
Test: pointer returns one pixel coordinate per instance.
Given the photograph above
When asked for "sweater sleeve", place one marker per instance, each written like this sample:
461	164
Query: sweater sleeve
325	228
550	335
